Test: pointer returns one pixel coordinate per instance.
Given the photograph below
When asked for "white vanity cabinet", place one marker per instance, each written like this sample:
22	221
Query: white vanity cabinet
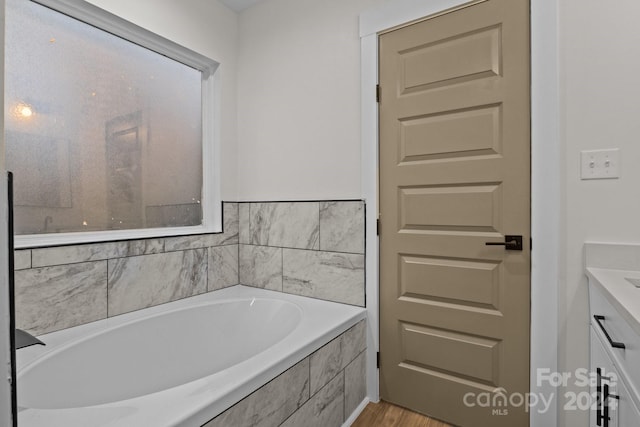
628	413
605	390
615	360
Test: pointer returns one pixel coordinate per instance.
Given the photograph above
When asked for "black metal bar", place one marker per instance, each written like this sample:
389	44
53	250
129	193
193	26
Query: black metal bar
12	308
598	396
501	243
605	405
511	243
613	343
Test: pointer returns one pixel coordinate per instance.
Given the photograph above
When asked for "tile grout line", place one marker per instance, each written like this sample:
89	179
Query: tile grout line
208	268
239	242
107	281
344	394
319	230
304	249
237	278
309	382
249	228
238	259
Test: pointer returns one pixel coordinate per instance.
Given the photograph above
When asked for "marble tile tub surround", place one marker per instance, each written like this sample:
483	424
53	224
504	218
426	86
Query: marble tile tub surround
313	249
61	287
321	390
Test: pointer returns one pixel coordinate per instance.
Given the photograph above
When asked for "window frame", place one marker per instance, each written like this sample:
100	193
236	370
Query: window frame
211	201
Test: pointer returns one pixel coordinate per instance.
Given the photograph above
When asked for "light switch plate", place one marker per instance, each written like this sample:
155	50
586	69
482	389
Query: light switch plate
600	164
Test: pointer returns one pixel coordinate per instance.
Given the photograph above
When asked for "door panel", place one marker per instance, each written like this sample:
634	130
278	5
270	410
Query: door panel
438	63
470	132
455	174
420	340
449	280
471	207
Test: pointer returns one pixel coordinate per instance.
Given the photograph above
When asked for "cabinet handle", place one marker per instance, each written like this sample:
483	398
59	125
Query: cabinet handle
598	396
613	343
605	404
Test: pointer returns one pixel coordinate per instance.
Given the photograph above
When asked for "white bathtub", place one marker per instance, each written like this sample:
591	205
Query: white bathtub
178	364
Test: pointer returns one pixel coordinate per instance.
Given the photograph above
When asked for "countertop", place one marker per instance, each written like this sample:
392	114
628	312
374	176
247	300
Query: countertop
624	296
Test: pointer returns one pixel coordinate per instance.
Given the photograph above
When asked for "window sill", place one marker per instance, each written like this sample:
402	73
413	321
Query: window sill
59	239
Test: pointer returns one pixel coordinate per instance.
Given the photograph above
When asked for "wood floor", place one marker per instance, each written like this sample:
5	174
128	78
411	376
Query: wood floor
385	414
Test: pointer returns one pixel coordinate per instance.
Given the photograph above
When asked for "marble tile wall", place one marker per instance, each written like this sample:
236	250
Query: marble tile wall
322	390
313	249
61	287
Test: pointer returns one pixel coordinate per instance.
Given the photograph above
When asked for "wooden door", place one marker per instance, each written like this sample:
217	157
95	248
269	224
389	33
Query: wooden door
454	175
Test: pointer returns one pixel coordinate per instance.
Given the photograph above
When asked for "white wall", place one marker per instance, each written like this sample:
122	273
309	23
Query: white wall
299	100
5	344
209	28
600	65
298	133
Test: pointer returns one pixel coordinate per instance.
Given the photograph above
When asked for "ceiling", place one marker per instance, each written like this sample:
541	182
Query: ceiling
240	5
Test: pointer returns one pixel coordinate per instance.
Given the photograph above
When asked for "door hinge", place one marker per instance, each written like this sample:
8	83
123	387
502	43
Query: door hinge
377	227
377	93
378	360
530	243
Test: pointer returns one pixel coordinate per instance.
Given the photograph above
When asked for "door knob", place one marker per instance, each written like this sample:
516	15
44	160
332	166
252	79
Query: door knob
511	243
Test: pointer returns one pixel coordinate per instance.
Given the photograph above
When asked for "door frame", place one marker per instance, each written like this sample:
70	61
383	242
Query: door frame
7	417
546	158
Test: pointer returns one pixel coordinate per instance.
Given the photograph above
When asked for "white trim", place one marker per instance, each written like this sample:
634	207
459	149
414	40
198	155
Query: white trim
211	113
106	21
545	174
546	158
6	375
401	12
211	177
354	415
369	168
56	239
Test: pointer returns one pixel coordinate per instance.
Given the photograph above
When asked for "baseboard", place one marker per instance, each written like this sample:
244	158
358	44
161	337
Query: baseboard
354	415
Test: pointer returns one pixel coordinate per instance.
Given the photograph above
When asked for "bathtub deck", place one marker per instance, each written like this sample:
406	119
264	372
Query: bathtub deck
198	400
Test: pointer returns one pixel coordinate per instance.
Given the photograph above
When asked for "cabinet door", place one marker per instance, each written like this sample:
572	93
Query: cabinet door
604	411
628	413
